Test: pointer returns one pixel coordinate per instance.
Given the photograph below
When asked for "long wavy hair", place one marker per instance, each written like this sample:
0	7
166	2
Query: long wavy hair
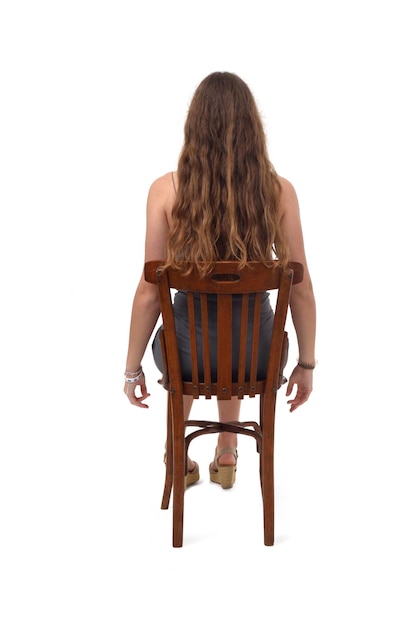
228	194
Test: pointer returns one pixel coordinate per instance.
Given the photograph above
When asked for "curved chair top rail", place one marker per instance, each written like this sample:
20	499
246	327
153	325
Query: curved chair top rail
225	276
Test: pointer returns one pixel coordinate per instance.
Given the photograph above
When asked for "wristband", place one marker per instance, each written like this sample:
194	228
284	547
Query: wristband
307	366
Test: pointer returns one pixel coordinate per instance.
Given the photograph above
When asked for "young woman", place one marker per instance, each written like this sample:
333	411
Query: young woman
224	202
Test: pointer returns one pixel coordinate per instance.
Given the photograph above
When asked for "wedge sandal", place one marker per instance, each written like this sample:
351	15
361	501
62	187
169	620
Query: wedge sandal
224	475
191	477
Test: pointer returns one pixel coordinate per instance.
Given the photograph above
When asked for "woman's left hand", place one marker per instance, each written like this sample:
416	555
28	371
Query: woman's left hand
303	380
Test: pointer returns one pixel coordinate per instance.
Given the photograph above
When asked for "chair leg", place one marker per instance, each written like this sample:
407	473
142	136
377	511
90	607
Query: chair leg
178	496
268	499
178	431
259	448
168	460
267	469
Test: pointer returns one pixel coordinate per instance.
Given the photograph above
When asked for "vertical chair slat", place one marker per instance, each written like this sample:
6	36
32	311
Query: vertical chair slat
242	345
224	346
255	345
206	345
193	343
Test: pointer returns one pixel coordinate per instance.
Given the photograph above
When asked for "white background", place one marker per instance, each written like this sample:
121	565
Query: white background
93	100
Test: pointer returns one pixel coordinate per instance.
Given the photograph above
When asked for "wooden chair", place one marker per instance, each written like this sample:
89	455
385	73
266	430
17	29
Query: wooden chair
225	280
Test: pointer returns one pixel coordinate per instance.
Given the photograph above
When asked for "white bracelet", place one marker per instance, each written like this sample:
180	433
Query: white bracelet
133	377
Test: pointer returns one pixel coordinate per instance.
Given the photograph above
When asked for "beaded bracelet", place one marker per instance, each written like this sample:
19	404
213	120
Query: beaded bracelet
307	366
139	371
133	377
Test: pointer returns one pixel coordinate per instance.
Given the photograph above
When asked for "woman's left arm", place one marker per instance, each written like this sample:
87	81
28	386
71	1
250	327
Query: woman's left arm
302	301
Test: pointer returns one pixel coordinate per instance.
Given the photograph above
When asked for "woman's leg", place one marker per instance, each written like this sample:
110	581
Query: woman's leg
187	404
229	411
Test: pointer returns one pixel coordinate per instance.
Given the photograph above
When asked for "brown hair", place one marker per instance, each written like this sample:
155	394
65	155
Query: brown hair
228	193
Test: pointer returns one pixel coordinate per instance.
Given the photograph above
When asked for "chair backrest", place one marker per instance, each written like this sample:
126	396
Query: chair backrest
225	304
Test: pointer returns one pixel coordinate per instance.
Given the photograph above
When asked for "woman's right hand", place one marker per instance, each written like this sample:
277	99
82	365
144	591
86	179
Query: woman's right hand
137	398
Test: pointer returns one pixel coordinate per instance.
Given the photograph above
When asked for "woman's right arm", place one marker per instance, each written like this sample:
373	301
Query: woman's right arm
145	308
302	301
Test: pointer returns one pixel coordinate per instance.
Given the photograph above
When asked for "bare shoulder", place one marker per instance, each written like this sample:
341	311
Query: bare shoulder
161	199
291	221
287	188
158	216
162	188
288	203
